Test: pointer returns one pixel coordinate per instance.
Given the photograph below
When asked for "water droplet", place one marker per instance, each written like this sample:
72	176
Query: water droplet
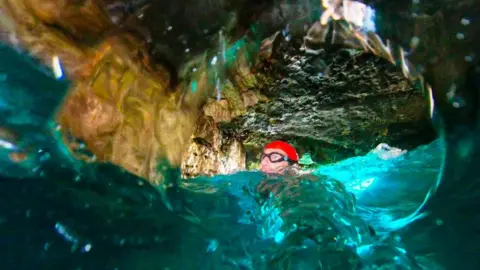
457	104
465	21
57	67
6	144
187	50
77	178
169	28
214	60
439	222
45	157
212	246
87	248
219	93
46	246
470	57
140	16
460	36
414	42
452	91
194	69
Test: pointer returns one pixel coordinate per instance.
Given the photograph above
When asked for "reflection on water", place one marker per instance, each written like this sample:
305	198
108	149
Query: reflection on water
389	185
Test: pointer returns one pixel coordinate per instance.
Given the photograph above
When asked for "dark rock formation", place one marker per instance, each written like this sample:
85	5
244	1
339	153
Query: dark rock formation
340	103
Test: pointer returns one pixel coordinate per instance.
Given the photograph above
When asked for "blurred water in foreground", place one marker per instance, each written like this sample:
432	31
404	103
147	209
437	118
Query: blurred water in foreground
61	211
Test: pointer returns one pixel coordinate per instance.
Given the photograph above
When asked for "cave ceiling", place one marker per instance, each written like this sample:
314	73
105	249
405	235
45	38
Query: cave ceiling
203	85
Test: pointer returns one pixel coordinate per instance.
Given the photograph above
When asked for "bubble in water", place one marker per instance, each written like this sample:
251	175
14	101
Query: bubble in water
460	36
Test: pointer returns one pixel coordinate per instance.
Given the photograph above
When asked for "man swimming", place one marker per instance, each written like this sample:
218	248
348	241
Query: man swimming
278	157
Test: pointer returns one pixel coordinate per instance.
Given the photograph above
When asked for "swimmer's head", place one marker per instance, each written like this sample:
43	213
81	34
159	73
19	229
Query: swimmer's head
277	157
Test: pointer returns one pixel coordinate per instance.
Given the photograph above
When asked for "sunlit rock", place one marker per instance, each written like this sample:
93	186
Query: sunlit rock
212	152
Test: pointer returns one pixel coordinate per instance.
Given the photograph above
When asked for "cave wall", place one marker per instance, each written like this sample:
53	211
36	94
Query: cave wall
212	151
129	108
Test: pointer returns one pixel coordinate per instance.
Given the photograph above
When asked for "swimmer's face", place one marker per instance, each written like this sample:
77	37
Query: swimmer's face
274	161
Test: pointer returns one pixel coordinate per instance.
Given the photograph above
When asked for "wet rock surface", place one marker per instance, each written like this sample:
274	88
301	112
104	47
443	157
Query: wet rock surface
337	104
212	151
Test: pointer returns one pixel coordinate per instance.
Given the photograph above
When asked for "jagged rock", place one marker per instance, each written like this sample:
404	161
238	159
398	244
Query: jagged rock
337	104
212	152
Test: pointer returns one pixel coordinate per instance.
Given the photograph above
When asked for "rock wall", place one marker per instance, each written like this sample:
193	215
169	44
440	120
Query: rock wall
212	151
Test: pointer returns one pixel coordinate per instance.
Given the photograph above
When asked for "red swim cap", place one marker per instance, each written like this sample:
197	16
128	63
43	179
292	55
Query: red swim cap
285	147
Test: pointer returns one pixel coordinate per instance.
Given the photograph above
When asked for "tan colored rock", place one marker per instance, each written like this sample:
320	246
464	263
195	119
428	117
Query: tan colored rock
218	110
212	152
